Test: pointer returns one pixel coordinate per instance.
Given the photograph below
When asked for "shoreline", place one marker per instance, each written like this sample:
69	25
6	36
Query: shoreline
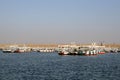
54	45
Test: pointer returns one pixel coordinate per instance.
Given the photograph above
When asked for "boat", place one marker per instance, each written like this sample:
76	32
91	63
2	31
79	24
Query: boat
101	52
80	52
64	52
76	50
87	52
7	51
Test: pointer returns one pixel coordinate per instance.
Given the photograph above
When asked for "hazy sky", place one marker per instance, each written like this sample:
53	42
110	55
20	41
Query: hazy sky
59	21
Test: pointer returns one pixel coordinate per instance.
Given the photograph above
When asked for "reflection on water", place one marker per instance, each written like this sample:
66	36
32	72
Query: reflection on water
51	66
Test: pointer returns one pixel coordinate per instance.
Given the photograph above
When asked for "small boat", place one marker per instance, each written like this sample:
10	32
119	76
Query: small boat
63	52
101	52
80	52
7	51
87	53
20	50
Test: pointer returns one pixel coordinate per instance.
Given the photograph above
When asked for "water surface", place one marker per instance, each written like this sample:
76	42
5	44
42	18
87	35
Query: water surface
51	66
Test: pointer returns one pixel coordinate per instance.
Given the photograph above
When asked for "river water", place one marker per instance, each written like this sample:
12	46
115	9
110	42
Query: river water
51	66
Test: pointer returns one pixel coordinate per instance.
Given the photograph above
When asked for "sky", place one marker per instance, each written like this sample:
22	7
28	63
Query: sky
59	21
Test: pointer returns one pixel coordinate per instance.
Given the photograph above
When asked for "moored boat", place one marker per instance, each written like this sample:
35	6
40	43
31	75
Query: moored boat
102	52
7	51
63	52
87	53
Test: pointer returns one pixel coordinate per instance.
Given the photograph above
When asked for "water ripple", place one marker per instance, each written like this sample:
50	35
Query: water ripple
51	66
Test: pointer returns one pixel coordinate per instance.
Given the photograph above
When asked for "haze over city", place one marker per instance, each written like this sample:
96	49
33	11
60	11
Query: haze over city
59	21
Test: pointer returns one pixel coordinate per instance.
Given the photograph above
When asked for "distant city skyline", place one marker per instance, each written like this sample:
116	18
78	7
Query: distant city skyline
59	21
